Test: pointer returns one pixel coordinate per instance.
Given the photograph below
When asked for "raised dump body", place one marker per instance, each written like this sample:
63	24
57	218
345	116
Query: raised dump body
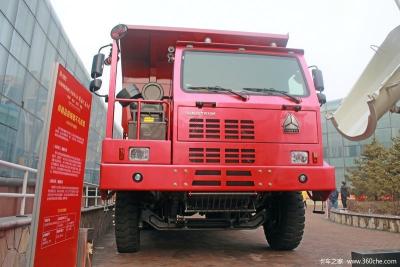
221	130
376	91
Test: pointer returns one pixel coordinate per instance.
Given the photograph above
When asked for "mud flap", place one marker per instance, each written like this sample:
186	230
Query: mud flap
318	196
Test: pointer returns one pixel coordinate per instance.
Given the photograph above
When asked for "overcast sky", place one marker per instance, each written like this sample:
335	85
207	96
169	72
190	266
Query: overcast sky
336	35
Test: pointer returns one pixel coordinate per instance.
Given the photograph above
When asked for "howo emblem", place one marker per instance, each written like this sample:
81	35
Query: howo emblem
291	125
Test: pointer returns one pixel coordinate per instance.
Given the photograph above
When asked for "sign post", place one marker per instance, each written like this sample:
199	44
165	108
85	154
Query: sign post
58	196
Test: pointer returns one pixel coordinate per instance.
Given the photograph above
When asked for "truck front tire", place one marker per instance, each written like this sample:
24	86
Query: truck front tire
284	225
127	215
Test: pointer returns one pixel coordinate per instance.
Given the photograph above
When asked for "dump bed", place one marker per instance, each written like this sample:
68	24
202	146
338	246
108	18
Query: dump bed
144	48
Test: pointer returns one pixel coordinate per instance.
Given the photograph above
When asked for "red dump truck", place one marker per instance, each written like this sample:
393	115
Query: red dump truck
221	130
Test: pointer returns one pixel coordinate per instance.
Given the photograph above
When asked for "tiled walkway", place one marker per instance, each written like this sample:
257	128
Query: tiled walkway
322	240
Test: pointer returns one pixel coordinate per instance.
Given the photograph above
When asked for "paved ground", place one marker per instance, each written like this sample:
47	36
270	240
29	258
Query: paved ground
322	240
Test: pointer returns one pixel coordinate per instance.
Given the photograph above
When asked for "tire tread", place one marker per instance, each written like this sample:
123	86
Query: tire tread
127	233
288	235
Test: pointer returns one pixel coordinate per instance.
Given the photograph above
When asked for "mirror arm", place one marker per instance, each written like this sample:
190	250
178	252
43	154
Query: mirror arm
105	96
104	46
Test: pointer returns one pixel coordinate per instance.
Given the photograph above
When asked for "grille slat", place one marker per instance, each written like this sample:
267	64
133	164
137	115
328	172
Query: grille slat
196	160
195	130
206	183
195	155
212	136
247	127
208	172
212	155
196	136
247	137
212	126
227	155
213	149
230	129
192	125
196	149
248	156
243	129
214	202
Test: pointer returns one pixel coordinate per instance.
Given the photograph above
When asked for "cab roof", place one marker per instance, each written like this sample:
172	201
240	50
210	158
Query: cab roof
144	49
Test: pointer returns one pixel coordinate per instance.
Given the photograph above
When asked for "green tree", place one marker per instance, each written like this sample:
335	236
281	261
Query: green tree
393	163
370	175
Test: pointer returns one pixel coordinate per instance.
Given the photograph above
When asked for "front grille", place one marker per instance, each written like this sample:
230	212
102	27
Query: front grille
204	129
236	155
204	155
239	129
220	202
211	129
227	155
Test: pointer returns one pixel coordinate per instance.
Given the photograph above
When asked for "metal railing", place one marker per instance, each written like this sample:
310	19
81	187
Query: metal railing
90	190
23	193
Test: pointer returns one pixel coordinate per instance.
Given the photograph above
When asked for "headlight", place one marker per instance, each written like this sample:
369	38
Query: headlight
299	157
139	153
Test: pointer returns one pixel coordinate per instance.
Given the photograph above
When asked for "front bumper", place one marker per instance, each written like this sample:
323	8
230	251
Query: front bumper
216	178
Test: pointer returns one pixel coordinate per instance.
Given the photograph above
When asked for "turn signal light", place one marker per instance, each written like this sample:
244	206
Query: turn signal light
315	157
121	153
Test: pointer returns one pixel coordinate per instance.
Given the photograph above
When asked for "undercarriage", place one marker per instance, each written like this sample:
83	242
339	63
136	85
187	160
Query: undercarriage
280	213
205	210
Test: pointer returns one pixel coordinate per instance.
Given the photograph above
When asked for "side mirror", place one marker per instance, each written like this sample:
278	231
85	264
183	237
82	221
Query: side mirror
321	98
97	65
318	80
95	85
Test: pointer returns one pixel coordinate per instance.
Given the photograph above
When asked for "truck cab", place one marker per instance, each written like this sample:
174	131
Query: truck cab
221	130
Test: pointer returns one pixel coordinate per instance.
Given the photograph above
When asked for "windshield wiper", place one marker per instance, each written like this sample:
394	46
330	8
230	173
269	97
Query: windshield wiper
273	91
219	89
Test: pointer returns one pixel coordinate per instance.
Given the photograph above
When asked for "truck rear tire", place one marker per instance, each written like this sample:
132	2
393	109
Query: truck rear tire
284	225
127	215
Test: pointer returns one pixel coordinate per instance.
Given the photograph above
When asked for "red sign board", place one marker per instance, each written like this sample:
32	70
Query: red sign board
58	203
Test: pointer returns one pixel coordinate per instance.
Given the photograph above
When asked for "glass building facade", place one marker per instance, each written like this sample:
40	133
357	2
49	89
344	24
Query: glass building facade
31	41
340	152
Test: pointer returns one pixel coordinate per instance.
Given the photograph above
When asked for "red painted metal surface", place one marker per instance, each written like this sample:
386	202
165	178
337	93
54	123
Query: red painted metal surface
111	92
181	177
160	151
253	125
144	48
259	149
266	154
126	116
243	47
61	194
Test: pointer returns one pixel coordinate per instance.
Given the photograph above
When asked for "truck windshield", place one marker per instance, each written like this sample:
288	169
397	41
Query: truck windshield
239	72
